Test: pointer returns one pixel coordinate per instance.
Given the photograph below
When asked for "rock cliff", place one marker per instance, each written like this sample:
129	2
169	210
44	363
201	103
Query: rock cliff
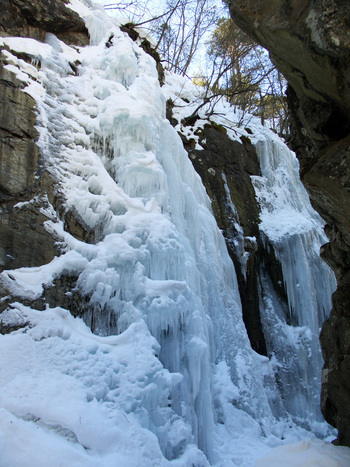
34	19
309	42
26	186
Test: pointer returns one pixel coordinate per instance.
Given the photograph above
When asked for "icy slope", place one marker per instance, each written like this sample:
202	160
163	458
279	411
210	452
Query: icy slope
71	398
295	231
180	383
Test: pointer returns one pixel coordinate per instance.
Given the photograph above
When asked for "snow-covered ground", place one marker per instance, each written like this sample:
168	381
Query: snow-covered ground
179	385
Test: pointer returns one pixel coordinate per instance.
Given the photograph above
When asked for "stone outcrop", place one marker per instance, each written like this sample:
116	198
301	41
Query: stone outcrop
35	19
23	240
309	42
28	196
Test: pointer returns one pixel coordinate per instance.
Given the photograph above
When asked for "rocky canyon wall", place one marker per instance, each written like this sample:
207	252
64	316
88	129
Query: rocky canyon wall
309	42
26	186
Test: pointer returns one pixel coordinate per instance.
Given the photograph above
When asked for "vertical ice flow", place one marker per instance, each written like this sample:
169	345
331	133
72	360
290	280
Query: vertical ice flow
158	256
296	233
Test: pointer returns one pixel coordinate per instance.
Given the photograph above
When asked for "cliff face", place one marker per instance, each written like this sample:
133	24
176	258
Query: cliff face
309	42
35	19
26	186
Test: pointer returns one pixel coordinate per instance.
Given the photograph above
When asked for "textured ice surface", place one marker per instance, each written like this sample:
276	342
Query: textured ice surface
296	233
306	453
180	383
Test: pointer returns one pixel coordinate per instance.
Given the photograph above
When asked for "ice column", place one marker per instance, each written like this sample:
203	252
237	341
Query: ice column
296	232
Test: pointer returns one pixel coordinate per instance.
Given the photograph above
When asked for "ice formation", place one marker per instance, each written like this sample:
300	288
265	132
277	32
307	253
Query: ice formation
169	376
295	231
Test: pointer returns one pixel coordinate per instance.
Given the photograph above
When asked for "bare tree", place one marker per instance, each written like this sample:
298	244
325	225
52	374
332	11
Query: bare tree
242	71
180	32
237	68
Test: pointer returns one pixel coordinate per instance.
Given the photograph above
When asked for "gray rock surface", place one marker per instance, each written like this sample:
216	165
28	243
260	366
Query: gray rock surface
28	195
34	19
23	240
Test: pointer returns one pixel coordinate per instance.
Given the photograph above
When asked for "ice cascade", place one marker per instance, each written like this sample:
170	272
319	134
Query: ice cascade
169	373
295	231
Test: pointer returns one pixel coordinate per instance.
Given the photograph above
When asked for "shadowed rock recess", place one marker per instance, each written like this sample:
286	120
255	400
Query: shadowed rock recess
309	42
26	186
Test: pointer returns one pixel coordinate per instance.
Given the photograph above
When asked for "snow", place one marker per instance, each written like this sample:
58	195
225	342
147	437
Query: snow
295	232
29	282
169	376
286	209
72	398
306	453
81	7
26	45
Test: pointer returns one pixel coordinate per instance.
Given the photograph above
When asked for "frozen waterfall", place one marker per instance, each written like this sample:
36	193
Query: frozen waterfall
295	231
169	376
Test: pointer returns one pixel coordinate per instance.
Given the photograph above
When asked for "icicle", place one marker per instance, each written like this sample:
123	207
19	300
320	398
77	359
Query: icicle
295	231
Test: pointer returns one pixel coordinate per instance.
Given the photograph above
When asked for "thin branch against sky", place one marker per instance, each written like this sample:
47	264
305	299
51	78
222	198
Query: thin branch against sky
134	10
153	14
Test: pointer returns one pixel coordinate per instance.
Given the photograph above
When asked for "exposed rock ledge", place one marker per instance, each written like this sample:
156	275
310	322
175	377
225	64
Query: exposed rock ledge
27	189
34	19
310	43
